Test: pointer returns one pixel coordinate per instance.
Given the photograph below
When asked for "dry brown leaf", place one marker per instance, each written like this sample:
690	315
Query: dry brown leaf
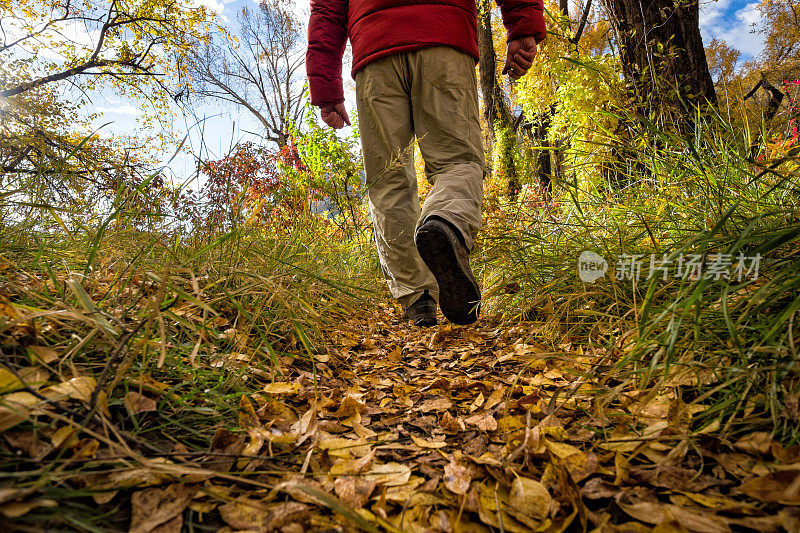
759	443
436	404
597	489
353	490
389	474
778	487
43	354
155	506
9	381
495	398
228	445
403	493
245	513
137	403
15	407
477	404
170	526
451	424
456	478
427	444
642	506
350	406
674	478
344	448
286	513
352	466
530	497
79	388
581	465
282	389
490	505
562	450
484	422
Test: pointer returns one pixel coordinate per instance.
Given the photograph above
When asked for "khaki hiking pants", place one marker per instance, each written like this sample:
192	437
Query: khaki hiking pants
432	94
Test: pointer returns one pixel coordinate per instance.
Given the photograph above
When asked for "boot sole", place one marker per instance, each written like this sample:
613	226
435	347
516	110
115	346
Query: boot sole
448	260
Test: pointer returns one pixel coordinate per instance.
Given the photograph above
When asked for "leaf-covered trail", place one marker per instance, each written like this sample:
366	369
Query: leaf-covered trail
395	428
482	428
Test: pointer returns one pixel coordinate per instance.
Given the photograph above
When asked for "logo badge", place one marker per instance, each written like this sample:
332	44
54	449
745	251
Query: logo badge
591	267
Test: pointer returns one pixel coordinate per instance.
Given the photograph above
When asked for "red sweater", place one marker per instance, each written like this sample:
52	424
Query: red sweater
378	28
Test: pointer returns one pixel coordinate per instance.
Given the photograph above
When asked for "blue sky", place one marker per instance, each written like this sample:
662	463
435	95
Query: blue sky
731	20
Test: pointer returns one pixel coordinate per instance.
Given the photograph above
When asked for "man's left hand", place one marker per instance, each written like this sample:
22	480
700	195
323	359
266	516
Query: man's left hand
520	57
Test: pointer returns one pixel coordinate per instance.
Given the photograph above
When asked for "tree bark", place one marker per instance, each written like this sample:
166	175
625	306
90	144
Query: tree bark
498	115
663	58
495	108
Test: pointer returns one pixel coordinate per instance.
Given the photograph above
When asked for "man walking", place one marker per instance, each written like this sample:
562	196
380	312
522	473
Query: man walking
414	67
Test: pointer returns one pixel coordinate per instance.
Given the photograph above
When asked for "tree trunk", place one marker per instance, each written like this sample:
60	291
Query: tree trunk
662	52
499	119
495	108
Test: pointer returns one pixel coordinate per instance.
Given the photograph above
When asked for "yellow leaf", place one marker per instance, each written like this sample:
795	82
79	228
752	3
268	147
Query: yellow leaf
431	445
530	497
79	388
456	478
389	474
280	388
8	381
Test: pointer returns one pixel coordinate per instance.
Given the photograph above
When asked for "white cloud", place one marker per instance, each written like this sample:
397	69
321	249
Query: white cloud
126	109
712	12
72	35
217	6
739	29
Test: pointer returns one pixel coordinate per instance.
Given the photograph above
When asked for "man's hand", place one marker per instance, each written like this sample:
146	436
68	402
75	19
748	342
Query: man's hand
335	116
520	57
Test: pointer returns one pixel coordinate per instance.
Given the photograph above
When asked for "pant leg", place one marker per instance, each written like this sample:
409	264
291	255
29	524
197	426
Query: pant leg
444	99
386	126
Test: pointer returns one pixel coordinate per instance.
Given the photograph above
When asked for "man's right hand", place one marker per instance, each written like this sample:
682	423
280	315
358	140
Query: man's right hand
335	116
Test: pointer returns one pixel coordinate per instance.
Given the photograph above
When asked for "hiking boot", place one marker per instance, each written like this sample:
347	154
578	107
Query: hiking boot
422	312
442	248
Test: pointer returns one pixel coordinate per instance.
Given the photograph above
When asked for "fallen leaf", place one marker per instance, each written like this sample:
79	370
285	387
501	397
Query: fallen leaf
14	408
155	506
436	404
456	478
137	403
9	382
451	424
350	406
759	443
245	513
170	526
389	474
344	448
477	404
427	444
530	497
43	354
484	422
354	491
282	389
285	513
782	486
79	388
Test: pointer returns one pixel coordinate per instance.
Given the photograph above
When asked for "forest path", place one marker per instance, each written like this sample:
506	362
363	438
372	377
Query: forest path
392	428
480	428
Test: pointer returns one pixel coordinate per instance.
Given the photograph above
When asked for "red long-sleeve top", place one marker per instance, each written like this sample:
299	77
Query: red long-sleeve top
378	28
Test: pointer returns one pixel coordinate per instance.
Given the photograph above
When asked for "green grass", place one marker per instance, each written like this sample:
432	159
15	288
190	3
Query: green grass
729	344
197	324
